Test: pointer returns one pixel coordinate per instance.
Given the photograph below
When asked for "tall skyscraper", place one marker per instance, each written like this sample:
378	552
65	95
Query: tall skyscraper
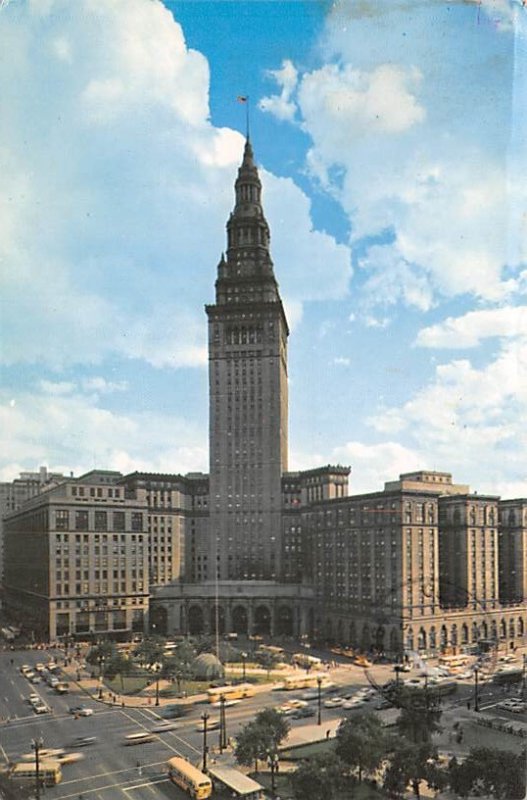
248	394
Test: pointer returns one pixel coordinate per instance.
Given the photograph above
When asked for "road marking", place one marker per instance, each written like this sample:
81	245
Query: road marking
148	783
108	786
114	772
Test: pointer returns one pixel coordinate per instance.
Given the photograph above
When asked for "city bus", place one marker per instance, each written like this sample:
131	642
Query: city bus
452	662
189	778
305	661
304	681
237	692
50	772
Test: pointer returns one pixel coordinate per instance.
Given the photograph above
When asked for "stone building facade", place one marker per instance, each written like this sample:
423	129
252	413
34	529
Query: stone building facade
423	564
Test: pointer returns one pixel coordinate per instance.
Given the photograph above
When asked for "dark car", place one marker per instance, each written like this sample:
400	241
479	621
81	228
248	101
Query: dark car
175	711
302	713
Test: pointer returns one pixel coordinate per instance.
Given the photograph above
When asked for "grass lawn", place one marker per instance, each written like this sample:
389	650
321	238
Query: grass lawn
133	684
308	750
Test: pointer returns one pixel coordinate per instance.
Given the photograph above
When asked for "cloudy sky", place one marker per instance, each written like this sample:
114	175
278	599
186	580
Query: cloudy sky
391	139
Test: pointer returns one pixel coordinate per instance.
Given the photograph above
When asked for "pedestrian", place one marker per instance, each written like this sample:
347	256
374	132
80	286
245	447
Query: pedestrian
327	734
468	705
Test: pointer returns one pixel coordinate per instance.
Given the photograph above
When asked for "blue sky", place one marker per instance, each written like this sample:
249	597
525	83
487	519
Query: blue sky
391	144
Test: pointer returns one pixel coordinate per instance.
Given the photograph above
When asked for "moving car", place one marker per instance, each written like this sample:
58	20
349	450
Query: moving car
333	702
83	741
302	713
141	737
161	727
81	711
175	711
212	725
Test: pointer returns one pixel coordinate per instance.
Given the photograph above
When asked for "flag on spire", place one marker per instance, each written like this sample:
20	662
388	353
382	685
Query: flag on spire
242	98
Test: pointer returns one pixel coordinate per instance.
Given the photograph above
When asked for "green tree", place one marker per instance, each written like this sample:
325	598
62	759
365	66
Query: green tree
420	712
120	665
251	745
266	660
151	651
322	777
410	764
178	669
101	654
276	725
498	773
261	737
361	743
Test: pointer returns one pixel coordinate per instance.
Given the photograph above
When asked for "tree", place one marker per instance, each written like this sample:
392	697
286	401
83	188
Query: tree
267	660
151	651
120	665
103	652
499	773
412	763
361	743
178	669
420	713
251	745
276	725
261	737
320	777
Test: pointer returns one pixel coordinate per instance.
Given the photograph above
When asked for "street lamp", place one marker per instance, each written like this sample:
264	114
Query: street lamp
101	675
36	744
523	676
476	689
157	684
223	725
205	718
244	659
319	700
272	760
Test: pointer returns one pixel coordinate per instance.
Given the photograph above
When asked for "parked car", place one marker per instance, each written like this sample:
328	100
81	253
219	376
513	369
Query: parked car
41	708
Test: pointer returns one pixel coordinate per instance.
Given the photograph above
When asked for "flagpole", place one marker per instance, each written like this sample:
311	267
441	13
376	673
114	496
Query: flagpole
247	116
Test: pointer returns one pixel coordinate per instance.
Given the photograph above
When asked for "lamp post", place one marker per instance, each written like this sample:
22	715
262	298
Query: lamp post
397	670
157	684
101	675
272	760
205	718
476	689
244	659
319	700
36	744
223	725
523	676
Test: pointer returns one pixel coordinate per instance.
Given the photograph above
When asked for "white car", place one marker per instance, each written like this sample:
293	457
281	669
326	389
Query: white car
334	702
226	703
41	708
355	702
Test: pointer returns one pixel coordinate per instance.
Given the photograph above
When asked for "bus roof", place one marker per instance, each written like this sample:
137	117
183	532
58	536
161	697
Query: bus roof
31	766
237	781
189	769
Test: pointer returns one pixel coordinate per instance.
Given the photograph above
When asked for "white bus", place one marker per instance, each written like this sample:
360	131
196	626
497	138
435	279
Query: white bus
189	778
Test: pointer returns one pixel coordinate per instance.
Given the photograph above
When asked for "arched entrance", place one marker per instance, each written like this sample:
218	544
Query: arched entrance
262	621
195	621
239	620
284	621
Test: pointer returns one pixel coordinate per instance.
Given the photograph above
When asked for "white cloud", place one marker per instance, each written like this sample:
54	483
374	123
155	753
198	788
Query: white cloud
282	106
470	420
64	426
116	189
342	361
474	327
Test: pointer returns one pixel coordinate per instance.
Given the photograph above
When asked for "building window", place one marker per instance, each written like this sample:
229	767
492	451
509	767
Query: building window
81	520
118	521
101	520
62	520
137	521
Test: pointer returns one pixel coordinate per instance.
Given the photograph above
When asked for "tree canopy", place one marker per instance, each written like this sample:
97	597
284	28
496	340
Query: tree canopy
361	743
320	778
499	773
